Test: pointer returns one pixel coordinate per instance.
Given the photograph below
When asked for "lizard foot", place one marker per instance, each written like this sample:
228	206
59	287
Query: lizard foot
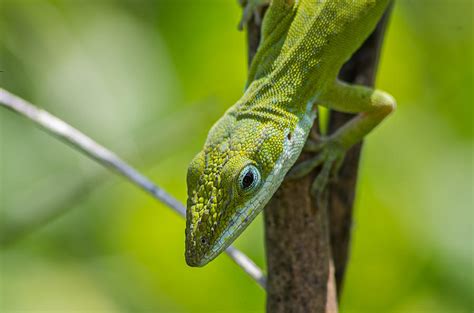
252	8
330	155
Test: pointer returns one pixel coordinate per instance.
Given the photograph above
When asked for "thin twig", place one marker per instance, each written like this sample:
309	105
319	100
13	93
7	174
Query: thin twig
92	149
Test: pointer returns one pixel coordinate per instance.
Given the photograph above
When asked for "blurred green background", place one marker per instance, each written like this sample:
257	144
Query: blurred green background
148	79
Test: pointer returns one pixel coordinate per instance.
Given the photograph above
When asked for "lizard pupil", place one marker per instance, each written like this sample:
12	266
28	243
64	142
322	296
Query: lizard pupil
248	180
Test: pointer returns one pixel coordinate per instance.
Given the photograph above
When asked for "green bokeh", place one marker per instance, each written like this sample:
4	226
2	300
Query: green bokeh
148	79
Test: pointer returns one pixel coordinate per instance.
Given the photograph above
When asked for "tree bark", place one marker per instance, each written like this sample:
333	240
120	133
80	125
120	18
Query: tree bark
307	246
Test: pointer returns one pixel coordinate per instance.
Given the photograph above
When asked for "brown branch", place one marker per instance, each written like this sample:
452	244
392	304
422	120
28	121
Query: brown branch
303	274
298	252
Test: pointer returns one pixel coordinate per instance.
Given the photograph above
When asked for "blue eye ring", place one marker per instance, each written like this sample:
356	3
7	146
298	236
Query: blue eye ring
249	178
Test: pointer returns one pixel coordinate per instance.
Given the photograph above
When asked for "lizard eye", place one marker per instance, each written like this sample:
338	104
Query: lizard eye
249	178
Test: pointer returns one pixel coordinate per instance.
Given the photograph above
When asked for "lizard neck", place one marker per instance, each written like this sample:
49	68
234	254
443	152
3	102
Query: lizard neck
320	39
264	103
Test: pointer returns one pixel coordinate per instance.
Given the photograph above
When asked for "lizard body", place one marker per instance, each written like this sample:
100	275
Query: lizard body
250	150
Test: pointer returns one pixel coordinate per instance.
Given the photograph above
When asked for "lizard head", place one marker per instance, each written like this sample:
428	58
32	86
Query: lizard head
230	182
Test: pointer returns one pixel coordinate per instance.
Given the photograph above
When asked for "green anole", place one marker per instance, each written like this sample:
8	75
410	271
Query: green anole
251	149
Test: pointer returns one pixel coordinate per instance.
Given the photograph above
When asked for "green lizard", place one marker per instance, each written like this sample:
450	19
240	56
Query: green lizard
250	149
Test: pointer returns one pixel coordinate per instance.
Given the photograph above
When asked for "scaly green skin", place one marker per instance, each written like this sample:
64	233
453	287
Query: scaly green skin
251	148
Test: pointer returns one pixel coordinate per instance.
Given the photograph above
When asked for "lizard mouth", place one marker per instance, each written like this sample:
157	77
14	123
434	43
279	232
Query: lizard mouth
201	249
230	233
202	252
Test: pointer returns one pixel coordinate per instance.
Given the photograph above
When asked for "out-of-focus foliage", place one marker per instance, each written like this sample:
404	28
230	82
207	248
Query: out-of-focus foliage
148	79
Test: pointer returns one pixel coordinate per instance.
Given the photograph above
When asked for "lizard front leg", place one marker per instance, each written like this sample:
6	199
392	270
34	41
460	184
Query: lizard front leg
371	104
